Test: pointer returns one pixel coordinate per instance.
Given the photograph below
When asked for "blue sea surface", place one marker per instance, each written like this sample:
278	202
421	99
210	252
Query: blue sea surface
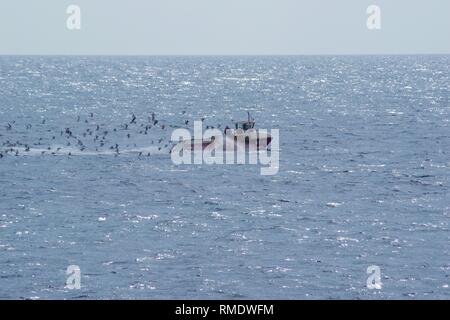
364	178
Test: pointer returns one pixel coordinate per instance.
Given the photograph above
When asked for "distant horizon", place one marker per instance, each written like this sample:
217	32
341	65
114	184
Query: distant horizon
226	55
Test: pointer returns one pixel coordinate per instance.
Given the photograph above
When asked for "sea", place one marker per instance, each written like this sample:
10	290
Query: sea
87	182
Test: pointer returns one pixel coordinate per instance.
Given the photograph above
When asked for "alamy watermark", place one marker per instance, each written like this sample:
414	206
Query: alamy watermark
374	279
73	280
73	21
374	19
244	145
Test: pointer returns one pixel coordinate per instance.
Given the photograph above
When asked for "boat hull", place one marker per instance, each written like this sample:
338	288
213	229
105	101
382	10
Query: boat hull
230	145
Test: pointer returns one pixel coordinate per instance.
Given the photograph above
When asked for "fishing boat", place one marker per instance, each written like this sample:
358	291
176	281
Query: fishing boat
244	136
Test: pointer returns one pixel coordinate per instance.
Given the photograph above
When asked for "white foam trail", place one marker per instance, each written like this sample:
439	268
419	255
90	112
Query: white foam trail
65	150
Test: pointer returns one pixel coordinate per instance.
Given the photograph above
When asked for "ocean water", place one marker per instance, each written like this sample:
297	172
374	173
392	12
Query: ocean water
364	178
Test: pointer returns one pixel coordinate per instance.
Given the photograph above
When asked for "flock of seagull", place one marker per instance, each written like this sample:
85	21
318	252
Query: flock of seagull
95	136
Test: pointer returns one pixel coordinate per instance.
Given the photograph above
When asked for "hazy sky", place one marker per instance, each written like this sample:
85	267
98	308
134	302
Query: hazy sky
224	27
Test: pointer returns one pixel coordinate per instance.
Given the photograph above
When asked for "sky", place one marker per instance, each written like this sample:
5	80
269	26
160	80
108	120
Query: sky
224	27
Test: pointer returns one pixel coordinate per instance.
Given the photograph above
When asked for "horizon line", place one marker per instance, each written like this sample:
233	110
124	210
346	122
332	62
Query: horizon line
215	55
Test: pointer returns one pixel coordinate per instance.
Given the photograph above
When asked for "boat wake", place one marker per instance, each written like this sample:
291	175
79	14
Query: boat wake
58	150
